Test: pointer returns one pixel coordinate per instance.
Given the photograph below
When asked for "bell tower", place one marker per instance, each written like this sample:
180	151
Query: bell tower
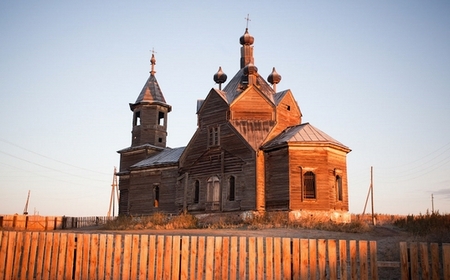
150	113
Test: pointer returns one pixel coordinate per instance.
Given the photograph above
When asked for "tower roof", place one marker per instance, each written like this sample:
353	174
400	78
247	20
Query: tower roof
151	92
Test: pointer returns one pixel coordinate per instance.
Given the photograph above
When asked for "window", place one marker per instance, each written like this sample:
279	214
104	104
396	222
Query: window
196	191
137	118
232	189
339	188
309	185
213	189
156	196
161	118
213	136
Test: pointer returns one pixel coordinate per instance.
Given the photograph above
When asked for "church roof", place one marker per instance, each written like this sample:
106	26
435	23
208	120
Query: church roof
166	157
235	87
151	92
303	133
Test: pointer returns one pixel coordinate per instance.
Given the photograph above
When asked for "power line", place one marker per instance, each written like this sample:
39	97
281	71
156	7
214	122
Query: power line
58	161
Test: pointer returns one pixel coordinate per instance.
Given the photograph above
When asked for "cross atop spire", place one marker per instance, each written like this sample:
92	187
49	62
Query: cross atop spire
247	19
153	62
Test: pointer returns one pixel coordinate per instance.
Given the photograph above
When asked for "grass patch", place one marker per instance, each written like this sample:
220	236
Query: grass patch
435	226
155	221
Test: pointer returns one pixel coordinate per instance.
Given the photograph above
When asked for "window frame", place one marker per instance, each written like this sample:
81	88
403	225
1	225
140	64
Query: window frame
309	185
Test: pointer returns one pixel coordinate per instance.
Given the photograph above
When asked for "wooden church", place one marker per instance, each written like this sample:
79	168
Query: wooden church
250	152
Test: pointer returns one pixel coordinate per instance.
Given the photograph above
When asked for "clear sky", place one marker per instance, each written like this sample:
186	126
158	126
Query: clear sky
375	75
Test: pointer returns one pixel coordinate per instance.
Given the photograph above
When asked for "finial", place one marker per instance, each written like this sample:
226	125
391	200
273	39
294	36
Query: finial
153	62
220	77
274	78
247	19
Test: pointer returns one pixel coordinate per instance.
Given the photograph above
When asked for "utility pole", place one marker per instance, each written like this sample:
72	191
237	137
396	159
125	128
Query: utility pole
370	192
112	201
25	210
432	204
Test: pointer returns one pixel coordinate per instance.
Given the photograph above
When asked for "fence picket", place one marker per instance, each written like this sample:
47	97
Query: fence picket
101	256
26	255
332	261
17	255
343	259
313	258
446	260
259	259
413	260
321	255
233	257
242	257
54	256
269	257
134	255
277	258
209	263
32	258
93	257
363	267
143	257
225	257
47	256
117	262
176	254
304	260
193	258
184	267
373	259
295	258
61	256
70	256
167	257
201	257
218	258
152	250
251	258
109	260
404	261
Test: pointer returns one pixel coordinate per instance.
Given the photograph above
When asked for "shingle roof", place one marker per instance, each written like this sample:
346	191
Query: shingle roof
167	156
303	133
151	92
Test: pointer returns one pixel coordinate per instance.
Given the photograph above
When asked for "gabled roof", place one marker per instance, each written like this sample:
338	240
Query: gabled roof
279	96
235	87
166	157
303	133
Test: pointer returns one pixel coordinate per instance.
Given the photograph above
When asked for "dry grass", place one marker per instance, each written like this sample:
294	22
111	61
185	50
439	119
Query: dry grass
432	227
155	221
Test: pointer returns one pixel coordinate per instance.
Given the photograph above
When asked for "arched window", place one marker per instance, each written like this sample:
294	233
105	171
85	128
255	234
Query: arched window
156	196
309	182
338	188
196	191
232	189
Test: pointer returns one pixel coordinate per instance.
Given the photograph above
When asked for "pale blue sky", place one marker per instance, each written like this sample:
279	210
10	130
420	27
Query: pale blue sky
373	75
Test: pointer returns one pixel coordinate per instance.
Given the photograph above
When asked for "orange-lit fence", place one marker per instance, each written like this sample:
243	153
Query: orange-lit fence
36	222
60	255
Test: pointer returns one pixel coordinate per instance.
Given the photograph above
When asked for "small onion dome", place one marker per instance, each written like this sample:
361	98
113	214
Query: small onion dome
220	77
250	69
246	39
274	77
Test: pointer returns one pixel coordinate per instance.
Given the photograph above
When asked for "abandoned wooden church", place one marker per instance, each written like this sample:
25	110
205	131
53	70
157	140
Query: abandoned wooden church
250	152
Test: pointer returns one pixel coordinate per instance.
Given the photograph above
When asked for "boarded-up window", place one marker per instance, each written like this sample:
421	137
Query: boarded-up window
309	185
339	188
232	189
155	196
196	191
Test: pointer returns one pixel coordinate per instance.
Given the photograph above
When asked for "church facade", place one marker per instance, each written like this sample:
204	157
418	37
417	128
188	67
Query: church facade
250	152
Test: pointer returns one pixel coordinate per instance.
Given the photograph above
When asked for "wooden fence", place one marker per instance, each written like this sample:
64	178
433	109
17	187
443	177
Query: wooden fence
56	255
36	222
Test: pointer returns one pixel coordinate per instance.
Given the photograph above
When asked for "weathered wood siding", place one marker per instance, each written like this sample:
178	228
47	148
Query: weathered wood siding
232	157
141	193
277	179
288	114
252	105
322	160
149	130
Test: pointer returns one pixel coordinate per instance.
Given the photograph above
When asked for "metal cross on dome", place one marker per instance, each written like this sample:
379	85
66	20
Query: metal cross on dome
248	19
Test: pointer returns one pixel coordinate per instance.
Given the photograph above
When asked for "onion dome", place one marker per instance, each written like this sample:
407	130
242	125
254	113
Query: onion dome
246	39
274	77
250	69
220	77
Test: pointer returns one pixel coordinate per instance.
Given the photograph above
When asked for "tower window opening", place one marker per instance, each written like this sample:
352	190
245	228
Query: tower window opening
137	118
161	118
160	140
196	192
